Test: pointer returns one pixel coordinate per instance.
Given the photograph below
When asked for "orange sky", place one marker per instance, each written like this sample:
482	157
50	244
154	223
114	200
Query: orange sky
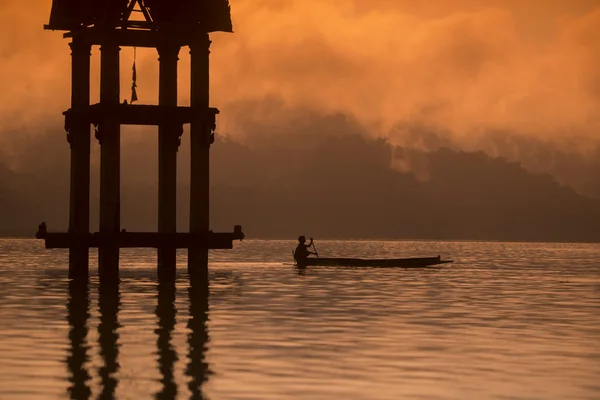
465	66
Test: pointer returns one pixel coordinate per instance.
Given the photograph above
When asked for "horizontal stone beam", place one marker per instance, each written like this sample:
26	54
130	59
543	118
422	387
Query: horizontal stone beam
60	240
130	114
140	36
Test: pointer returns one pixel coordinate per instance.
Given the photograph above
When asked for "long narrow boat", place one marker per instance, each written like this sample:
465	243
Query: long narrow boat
381	263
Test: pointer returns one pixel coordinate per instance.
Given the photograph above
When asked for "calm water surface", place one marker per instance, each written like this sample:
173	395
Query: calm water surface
505	321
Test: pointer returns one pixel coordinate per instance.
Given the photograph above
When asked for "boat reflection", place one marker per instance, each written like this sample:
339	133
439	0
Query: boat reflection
109	304
78	315
198	369
167	356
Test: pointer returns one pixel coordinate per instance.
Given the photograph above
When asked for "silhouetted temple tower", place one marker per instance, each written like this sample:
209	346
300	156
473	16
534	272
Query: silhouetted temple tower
167	25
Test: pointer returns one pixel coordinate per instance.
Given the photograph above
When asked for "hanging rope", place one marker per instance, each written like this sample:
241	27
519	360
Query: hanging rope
134	79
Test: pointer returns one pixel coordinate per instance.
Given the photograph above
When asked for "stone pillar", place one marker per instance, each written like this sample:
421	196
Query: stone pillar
200	131
110	161
78	135
168	142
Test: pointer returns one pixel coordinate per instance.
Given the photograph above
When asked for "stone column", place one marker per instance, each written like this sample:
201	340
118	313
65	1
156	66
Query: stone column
78	135
110	161
168	142
200	131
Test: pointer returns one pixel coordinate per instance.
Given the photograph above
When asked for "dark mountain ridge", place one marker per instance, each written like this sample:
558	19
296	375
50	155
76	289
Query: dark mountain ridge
343	186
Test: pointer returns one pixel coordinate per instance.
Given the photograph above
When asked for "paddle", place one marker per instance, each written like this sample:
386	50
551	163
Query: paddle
313	245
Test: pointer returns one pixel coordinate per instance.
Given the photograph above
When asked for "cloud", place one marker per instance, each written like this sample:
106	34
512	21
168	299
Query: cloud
467	71
459	69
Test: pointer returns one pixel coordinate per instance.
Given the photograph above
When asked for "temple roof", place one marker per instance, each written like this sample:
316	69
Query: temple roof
184	15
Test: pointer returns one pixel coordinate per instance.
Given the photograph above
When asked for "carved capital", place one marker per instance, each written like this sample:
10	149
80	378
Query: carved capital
70	140
98	134
168	52
179	135
68	124
110	46
211	119
201	44
80	47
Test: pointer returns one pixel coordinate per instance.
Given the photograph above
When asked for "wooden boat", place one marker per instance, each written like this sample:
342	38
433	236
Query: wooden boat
380	263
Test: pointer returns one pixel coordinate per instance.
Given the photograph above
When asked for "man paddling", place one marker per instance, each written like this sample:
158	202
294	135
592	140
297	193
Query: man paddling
302	251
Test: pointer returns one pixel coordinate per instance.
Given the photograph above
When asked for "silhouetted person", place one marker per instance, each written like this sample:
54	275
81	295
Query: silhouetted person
237	232
42	231
302	251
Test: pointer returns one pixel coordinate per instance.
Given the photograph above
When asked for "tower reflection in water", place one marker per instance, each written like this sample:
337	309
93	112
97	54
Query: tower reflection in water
109	304
78	315
197	368
167	356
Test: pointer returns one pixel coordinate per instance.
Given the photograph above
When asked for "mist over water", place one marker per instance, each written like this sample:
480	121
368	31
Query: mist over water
335	185
327	177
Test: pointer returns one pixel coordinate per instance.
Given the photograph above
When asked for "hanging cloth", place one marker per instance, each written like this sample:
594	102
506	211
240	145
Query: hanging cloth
134	79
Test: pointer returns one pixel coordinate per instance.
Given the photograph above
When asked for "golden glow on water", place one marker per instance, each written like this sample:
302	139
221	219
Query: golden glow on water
507	320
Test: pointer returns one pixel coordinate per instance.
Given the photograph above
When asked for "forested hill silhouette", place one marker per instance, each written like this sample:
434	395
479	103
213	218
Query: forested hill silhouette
341	186
345	188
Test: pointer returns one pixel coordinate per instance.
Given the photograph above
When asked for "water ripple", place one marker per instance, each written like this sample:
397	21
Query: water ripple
506	321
